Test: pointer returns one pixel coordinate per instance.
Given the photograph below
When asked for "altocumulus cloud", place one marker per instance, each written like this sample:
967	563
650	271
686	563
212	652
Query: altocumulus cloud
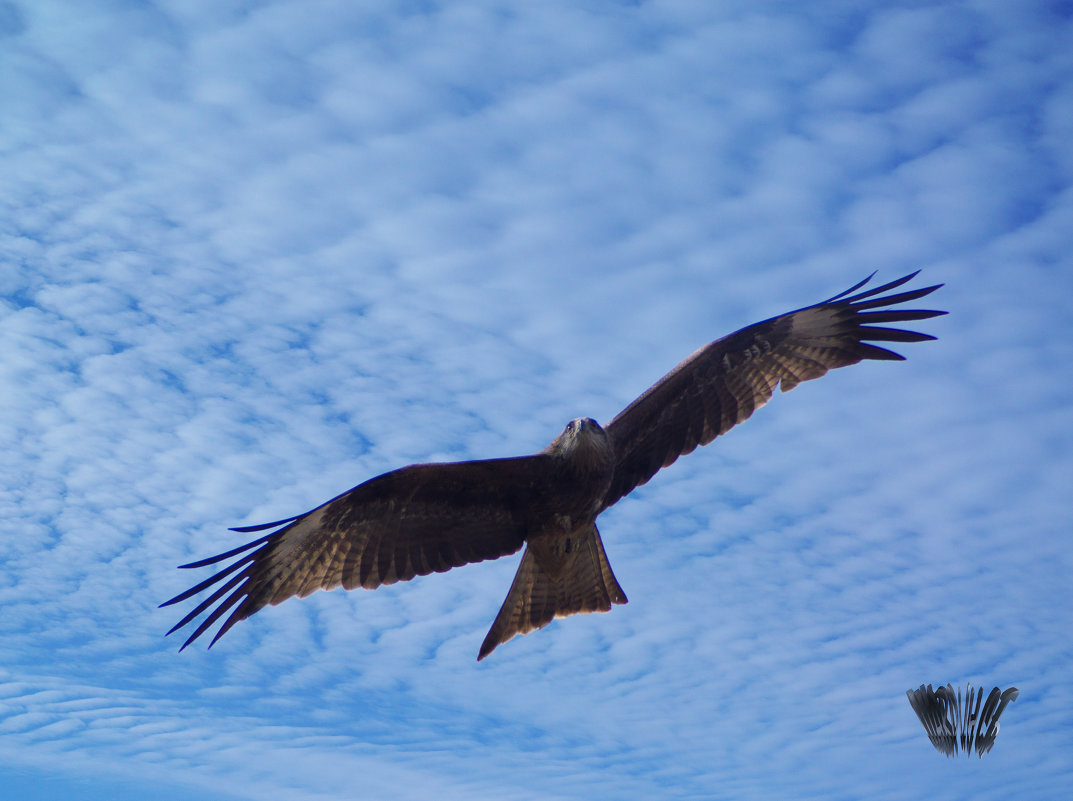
253	253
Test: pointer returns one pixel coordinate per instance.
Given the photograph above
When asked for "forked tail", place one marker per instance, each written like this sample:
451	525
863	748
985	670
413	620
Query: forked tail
535	598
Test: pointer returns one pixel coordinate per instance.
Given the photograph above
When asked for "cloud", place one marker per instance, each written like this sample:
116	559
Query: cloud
255	254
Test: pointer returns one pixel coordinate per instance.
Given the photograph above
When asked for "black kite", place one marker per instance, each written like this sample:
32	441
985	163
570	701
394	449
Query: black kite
428	518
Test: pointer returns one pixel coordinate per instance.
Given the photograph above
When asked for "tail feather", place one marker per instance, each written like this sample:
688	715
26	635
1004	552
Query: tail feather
535	598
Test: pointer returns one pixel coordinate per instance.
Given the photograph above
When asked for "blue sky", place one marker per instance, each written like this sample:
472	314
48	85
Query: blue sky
252	254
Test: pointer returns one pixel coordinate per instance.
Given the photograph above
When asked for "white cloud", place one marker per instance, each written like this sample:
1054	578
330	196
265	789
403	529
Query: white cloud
254	254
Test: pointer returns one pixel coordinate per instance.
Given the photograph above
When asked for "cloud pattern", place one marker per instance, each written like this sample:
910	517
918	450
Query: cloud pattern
253	253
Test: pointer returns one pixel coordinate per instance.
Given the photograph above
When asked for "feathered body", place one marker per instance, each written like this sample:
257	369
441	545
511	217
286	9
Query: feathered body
431	517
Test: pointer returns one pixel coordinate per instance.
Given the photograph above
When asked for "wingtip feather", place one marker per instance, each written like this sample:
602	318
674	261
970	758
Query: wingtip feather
853	288
212	560
263	526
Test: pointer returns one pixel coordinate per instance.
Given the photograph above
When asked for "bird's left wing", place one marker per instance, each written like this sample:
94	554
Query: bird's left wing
722	384
421	519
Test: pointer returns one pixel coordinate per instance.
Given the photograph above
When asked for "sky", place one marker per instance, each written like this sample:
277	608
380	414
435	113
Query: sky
252	254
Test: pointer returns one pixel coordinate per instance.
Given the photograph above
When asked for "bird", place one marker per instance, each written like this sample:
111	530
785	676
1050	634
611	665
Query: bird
429	518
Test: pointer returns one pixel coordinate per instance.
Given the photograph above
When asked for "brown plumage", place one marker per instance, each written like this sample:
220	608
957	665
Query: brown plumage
428	518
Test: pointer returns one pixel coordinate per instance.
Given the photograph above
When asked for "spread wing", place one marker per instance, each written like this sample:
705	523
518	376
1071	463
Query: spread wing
411	522
722	384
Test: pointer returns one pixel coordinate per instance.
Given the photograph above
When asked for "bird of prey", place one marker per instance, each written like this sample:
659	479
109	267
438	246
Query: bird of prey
947	725
429	518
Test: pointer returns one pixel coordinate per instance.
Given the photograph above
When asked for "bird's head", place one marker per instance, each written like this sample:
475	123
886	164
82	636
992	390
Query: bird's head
584	440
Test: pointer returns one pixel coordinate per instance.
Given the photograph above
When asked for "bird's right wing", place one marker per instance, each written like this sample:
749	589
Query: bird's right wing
421	519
